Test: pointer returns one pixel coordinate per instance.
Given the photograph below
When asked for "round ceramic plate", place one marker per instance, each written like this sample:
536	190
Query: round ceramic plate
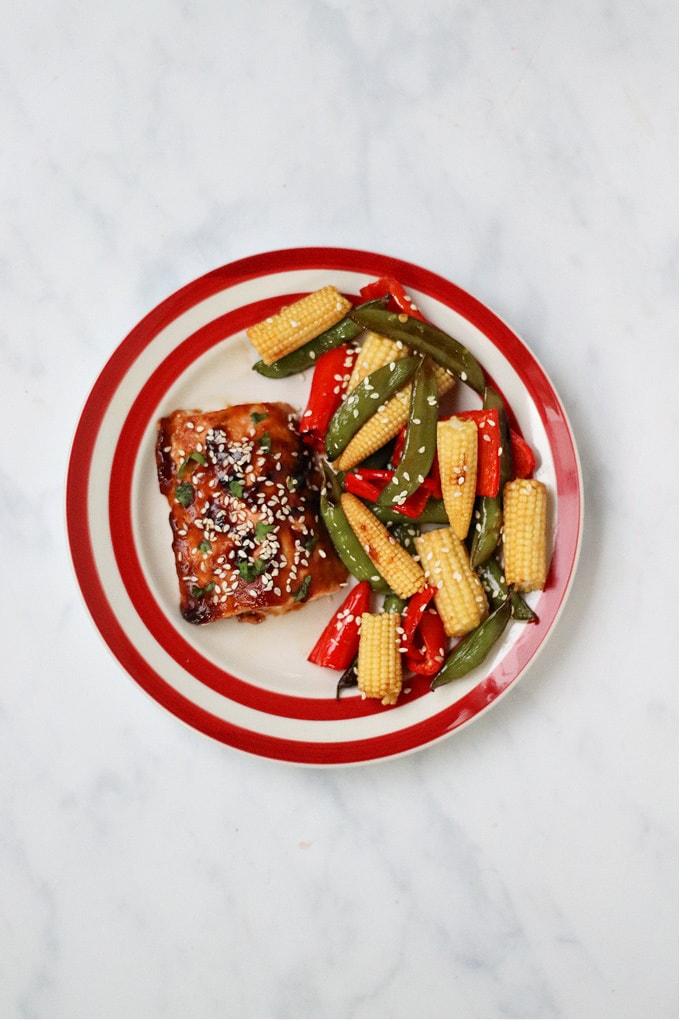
251	686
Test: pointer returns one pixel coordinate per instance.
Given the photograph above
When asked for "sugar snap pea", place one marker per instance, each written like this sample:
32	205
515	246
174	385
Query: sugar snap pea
305	357
493	582
521	610
363	402
426	339
495	586
486	533
406	533
421	438
348	679
474	648
393	603
348	546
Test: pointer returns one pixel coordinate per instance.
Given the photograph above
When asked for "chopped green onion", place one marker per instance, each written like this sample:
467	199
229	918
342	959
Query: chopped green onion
250	570
194	455
301	594
262	529
184	493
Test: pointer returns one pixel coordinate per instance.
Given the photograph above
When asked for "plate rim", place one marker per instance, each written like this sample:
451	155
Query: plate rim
93	589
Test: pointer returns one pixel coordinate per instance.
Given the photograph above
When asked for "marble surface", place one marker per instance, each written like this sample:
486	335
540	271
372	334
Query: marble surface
526	866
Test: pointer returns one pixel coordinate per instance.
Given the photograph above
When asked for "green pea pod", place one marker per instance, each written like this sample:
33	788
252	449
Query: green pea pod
348	546
305	357
426	339
434	513
332	482
521	610
486	534
473	649
364	400
393	603
348	679
420	441
405	534
491	575
493	582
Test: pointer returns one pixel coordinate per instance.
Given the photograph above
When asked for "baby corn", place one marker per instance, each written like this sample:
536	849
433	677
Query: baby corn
379	673
298	323
375	352
457	454
386	423
524	534
460	599
392	561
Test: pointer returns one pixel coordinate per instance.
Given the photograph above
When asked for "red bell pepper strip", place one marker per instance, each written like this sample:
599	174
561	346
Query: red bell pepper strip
424	639
358	485
429	658
415	610
329	382
523	459
368	483
339	642
488	449
390	285
417	501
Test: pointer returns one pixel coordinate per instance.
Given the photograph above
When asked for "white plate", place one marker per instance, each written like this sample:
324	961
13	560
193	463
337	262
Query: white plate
251	686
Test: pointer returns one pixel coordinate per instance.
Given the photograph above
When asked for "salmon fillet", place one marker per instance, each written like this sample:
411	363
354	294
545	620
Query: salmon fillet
243	492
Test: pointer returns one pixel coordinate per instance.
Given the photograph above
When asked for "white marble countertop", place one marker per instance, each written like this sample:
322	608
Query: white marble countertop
527	865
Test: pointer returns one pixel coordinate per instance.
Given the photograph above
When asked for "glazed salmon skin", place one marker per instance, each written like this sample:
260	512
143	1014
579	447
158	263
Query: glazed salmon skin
243	492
